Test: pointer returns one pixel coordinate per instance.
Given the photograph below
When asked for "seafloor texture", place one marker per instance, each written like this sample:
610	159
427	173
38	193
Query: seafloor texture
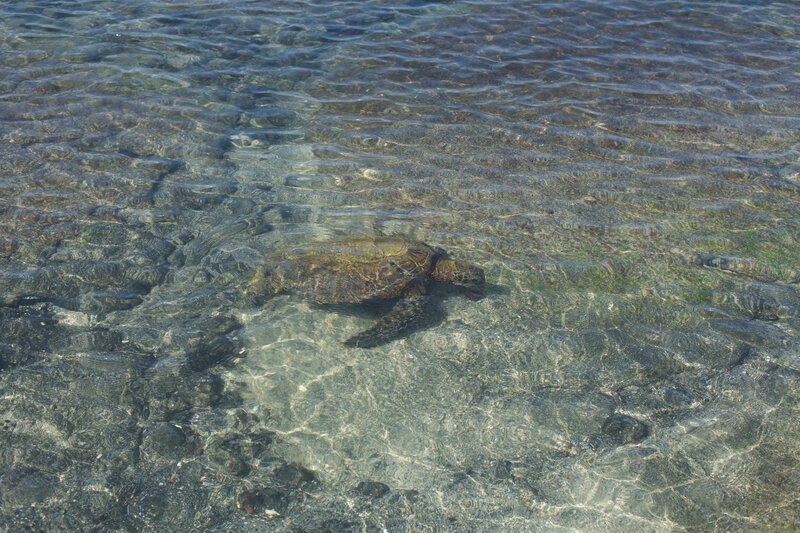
626	172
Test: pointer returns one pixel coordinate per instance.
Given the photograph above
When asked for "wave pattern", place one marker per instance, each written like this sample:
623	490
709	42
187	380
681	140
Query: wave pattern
626	173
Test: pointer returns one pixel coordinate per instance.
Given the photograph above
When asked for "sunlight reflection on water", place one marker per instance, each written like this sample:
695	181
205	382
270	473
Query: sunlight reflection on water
627	176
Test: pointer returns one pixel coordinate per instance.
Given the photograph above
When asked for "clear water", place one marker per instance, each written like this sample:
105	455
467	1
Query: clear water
627	173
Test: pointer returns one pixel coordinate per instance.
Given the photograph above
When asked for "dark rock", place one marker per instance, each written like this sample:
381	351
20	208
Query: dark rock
504	470
165	439
676	396
216	352
26	486
624	429
99	506
27	334
201	334
256	444
263	438
236	453
249	502
294	475
107	301
172	388
150	505
410	495
236	466
261	500
270	117
229	458
373	489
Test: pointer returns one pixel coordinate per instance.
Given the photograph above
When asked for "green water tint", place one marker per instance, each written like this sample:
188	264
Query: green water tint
627	176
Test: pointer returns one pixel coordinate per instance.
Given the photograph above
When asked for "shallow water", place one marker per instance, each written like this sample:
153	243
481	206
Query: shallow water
626	173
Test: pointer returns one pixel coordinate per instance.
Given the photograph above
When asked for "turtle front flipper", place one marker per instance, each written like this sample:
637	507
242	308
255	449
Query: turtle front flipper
405	314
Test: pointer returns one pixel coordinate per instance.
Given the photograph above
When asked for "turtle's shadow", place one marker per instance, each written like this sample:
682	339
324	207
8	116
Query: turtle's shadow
434	314
374	310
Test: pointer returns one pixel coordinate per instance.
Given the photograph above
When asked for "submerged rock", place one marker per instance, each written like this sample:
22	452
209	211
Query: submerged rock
260	501
165	439
294	476
26	486
624	429
373	489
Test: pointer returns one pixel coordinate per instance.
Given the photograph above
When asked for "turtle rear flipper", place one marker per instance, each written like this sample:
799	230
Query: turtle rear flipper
404	315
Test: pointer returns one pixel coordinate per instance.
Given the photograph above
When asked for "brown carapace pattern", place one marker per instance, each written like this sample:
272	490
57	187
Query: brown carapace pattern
362	270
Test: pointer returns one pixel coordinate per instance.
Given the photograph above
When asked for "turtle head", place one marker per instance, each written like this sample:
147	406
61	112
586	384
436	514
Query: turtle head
451	271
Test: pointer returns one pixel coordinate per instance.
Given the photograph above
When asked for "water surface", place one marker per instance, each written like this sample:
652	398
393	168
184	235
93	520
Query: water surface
627	174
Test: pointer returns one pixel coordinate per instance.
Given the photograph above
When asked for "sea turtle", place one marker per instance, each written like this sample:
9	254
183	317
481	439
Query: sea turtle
364	270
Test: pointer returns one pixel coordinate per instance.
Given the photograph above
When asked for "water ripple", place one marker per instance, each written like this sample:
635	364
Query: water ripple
625	173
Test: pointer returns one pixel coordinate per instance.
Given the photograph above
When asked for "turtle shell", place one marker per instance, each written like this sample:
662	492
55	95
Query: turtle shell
355	270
